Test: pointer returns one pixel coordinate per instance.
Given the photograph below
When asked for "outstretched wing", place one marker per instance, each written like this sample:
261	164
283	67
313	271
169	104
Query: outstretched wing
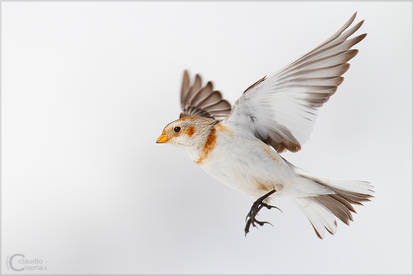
198	100
281	108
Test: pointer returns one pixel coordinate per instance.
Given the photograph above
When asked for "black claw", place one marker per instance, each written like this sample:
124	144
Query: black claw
255	208
261	223
271	206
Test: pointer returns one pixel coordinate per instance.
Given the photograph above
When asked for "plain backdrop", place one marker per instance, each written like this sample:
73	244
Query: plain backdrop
88	87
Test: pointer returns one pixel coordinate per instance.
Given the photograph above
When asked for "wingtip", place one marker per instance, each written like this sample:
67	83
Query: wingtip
358	25
359	38
352	53
354	14
362	37
210	85
353	17
198	77
345	68
339	81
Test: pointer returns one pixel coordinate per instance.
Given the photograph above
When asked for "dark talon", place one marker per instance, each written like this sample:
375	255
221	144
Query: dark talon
271	206
261	223
255	208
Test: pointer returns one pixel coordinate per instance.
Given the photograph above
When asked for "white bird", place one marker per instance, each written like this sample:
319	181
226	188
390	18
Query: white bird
241	146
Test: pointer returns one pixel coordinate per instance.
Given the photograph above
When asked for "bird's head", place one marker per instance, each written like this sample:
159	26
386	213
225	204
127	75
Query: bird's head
189	131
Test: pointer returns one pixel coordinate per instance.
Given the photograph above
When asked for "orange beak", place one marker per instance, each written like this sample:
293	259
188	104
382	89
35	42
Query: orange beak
162	139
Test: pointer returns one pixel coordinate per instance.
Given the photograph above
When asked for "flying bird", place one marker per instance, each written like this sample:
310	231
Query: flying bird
241	145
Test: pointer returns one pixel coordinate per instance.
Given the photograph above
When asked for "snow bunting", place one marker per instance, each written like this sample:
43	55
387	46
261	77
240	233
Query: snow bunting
241	146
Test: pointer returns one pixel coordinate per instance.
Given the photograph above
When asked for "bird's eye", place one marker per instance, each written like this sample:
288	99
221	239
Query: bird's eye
177	129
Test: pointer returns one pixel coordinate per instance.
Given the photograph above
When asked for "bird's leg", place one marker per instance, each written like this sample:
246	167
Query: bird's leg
255	208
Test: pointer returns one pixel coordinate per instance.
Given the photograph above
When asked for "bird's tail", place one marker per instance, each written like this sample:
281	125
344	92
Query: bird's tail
332	199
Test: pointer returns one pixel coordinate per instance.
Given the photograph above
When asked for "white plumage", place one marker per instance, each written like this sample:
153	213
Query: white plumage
274	114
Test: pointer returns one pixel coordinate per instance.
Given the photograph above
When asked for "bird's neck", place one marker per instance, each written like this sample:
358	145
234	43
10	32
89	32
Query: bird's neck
201	148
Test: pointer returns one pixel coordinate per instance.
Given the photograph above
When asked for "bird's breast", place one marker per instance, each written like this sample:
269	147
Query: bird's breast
241	161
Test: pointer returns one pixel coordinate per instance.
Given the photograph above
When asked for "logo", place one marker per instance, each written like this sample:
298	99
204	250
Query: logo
19	262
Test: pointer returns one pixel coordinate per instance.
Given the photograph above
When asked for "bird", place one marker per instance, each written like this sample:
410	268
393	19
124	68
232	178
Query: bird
241	145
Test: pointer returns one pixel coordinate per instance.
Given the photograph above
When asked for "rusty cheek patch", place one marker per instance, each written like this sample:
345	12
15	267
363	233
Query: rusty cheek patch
208	146
190	131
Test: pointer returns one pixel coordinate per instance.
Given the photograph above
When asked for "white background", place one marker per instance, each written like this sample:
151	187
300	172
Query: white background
88	87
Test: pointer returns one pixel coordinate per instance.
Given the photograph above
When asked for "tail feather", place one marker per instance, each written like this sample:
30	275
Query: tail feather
335	207
319	217
322	210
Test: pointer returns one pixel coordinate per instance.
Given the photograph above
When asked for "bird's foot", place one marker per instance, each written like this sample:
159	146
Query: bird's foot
255	208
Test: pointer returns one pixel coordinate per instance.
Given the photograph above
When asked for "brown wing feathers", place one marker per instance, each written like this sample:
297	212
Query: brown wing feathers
321	69
316	75
306	84
198	100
